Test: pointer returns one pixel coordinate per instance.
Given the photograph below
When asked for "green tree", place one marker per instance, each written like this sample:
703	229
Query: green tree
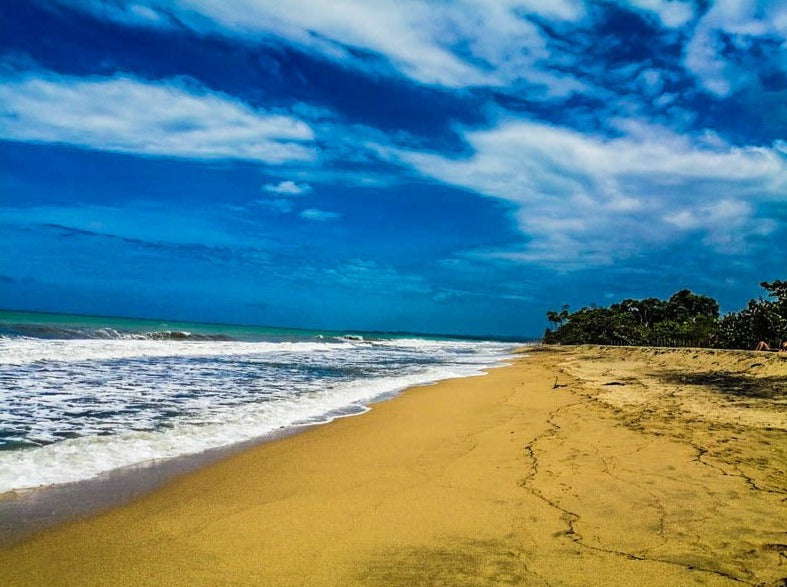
686	319
687	306
646	312
760	320
776	289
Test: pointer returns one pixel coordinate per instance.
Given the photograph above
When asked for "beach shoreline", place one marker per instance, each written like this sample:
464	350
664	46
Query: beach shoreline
576	466
28	511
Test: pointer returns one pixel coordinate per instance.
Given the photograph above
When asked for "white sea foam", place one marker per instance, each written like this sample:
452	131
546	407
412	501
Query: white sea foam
78	408
19	351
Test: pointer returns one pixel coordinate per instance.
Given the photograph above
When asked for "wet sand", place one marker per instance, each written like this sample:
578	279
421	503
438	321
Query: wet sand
575	466
28	511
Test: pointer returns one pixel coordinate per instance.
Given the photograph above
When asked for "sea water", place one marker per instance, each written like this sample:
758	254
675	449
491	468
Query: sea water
81	396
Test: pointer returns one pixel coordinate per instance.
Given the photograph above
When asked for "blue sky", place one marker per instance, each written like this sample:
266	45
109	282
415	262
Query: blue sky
452	167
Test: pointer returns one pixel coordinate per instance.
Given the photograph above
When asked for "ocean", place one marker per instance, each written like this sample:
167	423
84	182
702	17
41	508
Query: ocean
81	396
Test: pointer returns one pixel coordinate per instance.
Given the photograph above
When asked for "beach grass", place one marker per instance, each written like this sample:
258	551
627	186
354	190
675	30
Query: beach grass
572	466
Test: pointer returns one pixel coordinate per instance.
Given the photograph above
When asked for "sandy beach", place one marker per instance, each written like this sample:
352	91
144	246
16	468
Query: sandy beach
573	466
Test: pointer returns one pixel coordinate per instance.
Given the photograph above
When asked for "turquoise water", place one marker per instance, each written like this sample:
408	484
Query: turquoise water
50	325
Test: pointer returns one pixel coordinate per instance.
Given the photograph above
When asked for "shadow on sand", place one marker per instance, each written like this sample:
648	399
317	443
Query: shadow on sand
732	384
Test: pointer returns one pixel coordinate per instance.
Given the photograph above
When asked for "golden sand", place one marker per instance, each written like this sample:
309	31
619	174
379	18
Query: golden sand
642	467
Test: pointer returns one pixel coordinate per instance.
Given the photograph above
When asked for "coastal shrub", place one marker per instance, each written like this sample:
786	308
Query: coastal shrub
761	320
597	326
685	319
687	307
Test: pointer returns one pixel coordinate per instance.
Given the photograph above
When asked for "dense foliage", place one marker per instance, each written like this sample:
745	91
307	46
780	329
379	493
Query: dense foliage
685	319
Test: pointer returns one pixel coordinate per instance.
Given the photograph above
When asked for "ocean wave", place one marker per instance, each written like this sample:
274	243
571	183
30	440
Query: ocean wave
55	332
93	418
22	351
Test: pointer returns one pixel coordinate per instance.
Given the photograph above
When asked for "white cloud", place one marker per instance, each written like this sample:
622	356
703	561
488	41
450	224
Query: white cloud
725	213
726	224
474	42
583	199
671	13
143	13
129	115
360	177
278	205
361	274
740	22
651	82
288	187
319	215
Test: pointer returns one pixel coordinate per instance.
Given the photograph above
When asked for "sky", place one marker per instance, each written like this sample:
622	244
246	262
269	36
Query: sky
447	167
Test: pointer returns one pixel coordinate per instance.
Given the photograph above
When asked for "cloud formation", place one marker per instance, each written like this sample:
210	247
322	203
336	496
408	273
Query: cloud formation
288	188
167	118
587	199
511	150
722	51
454	45
475	43
671	13
571	188
319	215
364	275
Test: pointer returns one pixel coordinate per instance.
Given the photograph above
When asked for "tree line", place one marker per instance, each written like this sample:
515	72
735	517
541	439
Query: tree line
685	319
